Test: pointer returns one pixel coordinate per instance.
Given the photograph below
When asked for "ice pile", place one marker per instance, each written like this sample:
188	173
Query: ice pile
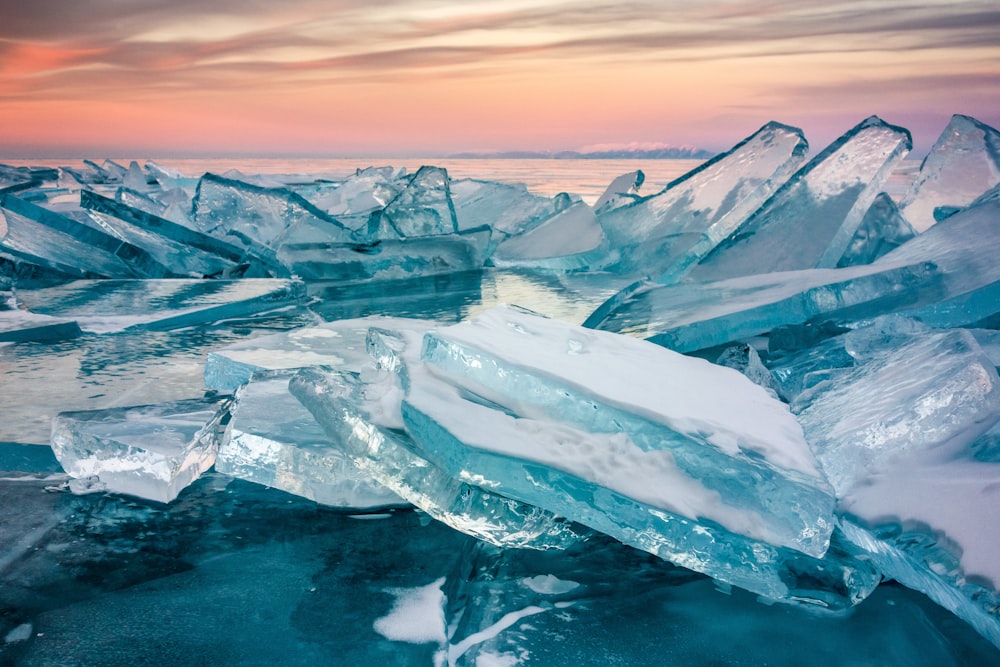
795	393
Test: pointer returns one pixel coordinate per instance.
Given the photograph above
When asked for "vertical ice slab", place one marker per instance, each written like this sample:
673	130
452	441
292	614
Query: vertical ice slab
273	440
712	425
668	232
150	451
423	208
812	218
690	317
963	164
915	394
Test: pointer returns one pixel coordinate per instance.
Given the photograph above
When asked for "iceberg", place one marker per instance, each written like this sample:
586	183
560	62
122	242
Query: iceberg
810	221
149	451
272	440
666	233
963	164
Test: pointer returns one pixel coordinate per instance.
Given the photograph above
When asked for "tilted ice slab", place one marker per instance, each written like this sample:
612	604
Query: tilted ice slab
810	221
423	208
929	522
150	451
256	215
623	190
707	424
691	317
17	326
38	236
341	344
507	209
363	418
882	229
368	190
105	306
668	232
963	164
605	481
926	391
273	440
570	239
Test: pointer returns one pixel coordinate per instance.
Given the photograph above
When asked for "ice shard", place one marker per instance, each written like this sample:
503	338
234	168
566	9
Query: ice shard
641	399
882	229
341	344
18	326
689	317
362	418
918	393
570	240
273	440
810	221
423	208
365	191
666	233
150	451
623	190
105	306
387	259
926	521
507	209
38	236
259	216
963	164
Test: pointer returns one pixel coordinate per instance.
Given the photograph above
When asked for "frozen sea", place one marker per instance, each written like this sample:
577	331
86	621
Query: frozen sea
237	574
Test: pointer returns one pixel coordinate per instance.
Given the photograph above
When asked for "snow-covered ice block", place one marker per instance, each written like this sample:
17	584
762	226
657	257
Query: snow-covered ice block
273	440
423	208
689	317
105	306
387	259
668	232
643	498
963	164
32	234
882	229
571	239
917	393
364	419
150	451
929	522
340	344
700	423
810	221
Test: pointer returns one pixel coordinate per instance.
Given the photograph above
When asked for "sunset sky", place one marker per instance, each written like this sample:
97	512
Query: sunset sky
347	78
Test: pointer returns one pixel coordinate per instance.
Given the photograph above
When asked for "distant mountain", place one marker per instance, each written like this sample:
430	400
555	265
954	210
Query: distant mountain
659	153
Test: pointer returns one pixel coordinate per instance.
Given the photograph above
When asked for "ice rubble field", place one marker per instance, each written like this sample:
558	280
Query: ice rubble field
407	418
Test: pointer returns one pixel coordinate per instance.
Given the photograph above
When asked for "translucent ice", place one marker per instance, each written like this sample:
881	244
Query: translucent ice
32	234
916	394
274	441
366	191
423	208
151	451
18	326
691	317
692	421
621	190
507	209
811	220
882	229
963	164
668	232
570	239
